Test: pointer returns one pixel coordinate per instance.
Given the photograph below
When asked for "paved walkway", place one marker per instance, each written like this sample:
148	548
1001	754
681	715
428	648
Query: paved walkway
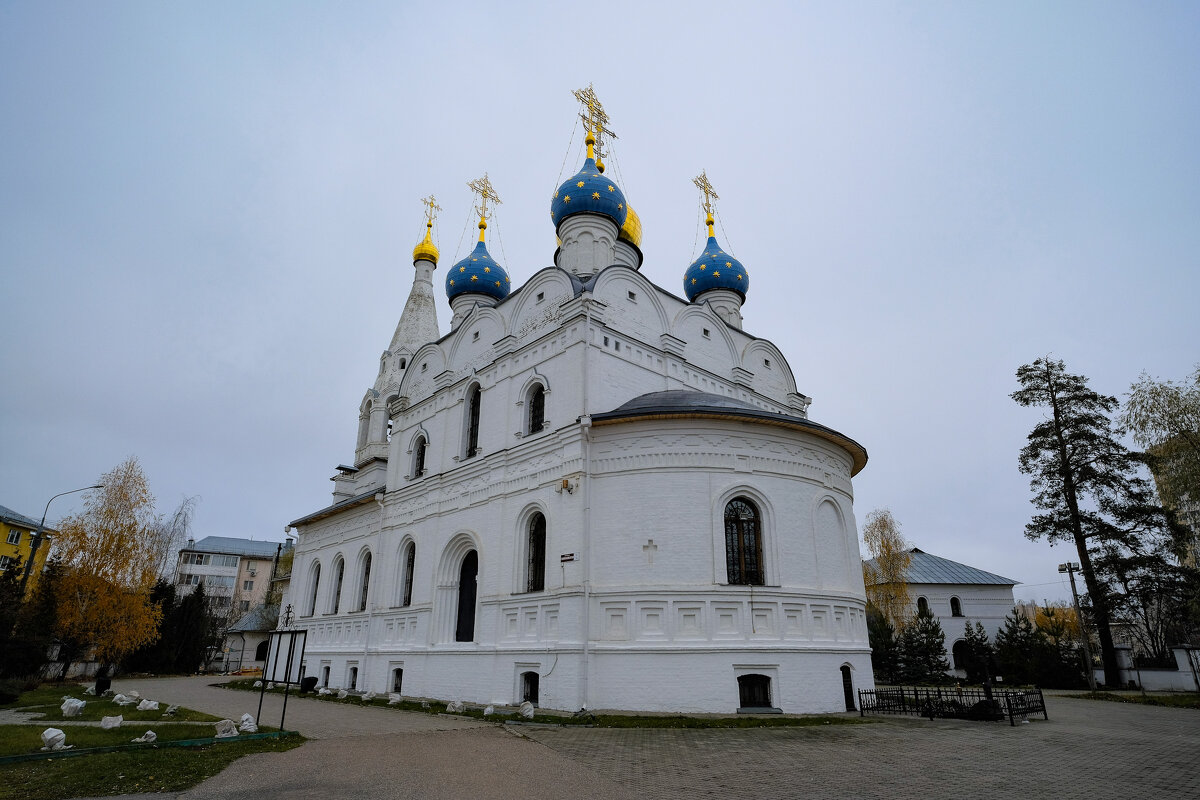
1087	749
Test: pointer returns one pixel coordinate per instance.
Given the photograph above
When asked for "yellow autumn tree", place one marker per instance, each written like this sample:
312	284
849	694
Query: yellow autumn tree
108	569
886	574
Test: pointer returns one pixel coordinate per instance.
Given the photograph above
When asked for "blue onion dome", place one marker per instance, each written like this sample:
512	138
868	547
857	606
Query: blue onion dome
589	192
478	272
715	269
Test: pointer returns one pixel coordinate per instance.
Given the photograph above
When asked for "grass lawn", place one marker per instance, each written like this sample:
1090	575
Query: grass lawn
599	721
1181	700
170	769
47	700
147	769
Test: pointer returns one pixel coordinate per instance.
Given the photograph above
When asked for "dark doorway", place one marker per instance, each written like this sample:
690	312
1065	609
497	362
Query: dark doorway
754	691
465	630
397	679
529	687
848	688
260	652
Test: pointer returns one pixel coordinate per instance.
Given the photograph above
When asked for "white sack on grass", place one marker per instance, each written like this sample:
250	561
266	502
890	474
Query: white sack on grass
148	705
124	699
55	739
111	722
343	694
90	690
527	710
487	712
393	698
368	697
134	693
454	706
71	707
148	736
323	691
258	684
248	725
226	729
170	712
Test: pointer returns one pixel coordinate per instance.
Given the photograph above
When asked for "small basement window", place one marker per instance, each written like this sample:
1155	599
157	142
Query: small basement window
754	693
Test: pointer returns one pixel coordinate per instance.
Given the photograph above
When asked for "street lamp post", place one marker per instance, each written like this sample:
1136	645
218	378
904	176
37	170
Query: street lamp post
37	536
1069	568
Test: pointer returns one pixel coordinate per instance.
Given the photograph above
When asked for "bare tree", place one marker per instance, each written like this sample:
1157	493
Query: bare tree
169	535
886	574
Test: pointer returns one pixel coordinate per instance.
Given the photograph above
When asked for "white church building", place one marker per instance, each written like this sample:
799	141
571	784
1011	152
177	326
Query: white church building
590	493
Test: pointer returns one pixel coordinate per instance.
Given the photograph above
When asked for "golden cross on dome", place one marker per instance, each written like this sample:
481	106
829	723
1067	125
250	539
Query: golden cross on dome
431	208
596	119
710	193
483	188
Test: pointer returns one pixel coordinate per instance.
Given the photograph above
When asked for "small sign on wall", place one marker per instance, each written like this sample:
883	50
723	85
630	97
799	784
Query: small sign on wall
565	557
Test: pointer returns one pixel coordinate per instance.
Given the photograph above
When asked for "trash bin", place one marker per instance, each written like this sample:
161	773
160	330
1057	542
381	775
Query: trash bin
103	684
308	684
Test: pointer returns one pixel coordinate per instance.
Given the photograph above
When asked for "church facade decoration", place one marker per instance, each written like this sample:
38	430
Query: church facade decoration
590	493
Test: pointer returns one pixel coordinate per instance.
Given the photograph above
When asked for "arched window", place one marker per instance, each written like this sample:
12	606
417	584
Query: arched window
743	543
955	607
418	458
473	402
389	430
364	582
339	571
754	691
403	362
922	606
464	630
407	562
314	582
260	652
537	408
848	688
535	560
961	654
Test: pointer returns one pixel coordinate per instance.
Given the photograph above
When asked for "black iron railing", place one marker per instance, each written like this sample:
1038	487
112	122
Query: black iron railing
954	703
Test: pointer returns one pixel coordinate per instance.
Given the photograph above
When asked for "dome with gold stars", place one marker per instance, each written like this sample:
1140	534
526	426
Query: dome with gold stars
589	192
715	269
478	272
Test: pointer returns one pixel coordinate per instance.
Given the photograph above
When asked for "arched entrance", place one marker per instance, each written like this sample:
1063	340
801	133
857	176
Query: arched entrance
464	631
260	652
848	688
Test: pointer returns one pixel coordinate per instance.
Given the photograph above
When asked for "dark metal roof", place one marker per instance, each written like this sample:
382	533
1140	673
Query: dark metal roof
341	505
20	520
928	568
684	403
228	544
259	618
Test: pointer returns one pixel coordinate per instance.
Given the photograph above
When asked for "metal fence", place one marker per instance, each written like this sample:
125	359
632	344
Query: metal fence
954	703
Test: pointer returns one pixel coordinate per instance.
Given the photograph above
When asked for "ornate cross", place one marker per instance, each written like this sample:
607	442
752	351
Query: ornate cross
431	208
483	188
710	193
596	119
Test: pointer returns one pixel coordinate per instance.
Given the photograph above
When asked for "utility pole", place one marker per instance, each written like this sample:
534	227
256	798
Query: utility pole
1070	567
38	535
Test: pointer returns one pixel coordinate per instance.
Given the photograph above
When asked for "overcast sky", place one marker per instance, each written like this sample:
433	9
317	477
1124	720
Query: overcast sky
207	212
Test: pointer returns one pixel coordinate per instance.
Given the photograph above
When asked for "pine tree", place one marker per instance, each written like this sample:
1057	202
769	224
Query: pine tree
1084	481
923	650
979	654
1021	650
885	649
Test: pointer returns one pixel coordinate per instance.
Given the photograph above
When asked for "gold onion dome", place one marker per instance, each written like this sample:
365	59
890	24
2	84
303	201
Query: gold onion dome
426	250
631	231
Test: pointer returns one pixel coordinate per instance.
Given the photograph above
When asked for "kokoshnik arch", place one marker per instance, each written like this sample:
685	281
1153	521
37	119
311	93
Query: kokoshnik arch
591	492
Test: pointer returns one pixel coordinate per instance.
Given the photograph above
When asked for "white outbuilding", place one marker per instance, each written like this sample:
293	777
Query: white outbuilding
590	493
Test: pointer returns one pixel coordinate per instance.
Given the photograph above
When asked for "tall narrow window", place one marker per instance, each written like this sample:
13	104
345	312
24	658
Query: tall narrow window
955	607
410	558
743	543
419	458
389	430
464	631
314	583
537	409
473	398
339	571
922	606
365	582
535	567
